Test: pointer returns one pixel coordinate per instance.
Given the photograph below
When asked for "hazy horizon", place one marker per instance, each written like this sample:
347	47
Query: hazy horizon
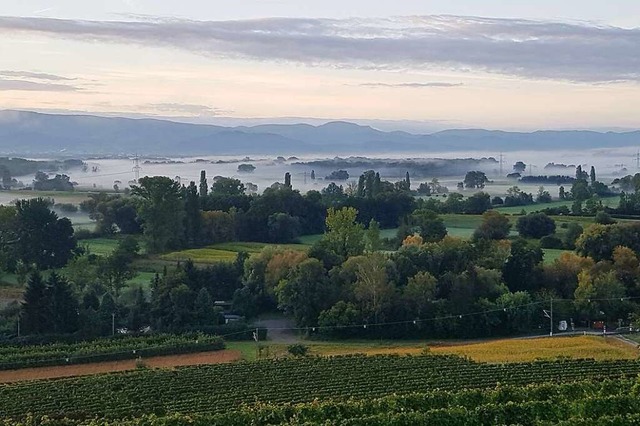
409	126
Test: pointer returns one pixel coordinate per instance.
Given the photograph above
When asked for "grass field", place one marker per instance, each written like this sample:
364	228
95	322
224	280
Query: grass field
142	279
224	252
310	239
460	225
608	202
237	247
100	246
551	255
73	197
203	255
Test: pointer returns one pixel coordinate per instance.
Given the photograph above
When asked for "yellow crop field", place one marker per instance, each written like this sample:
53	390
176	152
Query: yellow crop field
523	350
203	255
496	351
225	252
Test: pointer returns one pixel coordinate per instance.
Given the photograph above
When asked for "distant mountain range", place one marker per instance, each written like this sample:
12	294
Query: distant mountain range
31	133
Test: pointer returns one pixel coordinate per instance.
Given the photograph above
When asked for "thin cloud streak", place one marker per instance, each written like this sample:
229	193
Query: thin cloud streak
577	52
34	75
188	109
32	86
411	85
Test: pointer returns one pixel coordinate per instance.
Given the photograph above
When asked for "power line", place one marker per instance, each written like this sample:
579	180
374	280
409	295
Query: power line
102	175
447	317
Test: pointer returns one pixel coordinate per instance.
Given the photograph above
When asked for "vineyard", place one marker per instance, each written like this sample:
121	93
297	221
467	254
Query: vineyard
126	347
358	381
585	402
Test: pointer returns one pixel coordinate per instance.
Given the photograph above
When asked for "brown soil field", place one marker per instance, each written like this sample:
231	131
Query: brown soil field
170	361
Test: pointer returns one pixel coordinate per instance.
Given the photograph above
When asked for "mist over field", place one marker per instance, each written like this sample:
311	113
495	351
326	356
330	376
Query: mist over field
610	163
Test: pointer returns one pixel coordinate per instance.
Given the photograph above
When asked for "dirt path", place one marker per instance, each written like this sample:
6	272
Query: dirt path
113	366
280	330
628	341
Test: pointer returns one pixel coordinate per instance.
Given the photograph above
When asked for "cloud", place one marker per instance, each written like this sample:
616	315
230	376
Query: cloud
580	52
412	85
190	109
34	75
32	86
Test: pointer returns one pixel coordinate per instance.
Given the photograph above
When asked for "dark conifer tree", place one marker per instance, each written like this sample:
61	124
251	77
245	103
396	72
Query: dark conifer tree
35	312
192	217
139	312
203	309
63	305
204	186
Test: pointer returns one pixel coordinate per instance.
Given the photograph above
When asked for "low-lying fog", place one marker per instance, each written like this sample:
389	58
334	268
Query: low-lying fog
104	173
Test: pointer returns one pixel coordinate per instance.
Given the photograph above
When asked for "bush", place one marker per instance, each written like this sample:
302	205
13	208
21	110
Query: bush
604	218
551	242
536	225
574	231
497	201
298	350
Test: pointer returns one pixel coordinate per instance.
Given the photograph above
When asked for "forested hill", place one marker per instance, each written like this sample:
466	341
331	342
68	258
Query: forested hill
24	132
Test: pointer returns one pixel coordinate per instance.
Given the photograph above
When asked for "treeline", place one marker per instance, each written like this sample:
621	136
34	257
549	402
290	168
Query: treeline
81	301
548	180
434	286
172	216
438	167
11	167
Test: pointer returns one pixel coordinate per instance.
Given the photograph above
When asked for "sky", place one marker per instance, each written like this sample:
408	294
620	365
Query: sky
498	64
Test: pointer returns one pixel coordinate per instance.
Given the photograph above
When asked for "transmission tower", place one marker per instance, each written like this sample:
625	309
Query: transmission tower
501	164
136	168
637	157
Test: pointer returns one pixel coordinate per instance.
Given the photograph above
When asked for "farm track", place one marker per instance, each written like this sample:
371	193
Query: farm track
170	361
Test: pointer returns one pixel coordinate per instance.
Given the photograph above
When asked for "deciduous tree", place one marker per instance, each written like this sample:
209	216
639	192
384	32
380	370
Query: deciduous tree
162	212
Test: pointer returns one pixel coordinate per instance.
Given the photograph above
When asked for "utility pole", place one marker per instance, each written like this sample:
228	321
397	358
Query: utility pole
551	320
18	325
256	337
136	168
113	324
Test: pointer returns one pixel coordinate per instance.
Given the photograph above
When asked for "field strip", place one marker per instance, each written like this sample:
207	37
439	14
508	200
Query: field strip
169	361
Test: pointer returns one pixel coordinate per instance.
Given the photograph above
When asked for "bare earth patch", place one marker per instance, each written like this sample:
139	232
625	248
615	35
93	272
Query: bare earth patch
170	361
